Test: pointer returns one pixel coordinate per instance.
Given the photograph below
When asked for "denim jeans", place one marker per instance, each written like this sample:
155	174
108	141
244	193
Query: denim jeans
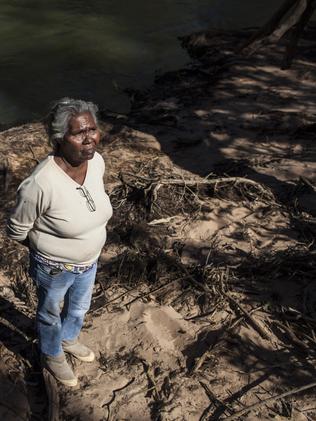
54	287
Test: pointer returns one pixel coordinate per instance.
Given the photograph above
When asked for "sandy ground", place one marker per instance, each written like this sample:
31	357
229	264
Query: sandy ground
204	302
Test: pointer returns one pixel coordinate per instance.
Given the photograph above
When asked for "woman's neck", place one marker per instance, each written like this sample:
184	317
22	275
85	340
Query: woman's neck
76	171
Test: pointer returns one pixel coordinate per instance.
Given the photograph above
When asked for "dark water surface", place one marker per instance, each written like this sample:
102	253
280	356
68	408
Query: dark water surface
93	49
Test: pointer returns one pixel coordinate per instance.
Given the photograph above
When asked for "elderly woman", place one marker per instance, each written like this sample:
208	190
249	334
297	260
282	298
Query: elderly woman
61	215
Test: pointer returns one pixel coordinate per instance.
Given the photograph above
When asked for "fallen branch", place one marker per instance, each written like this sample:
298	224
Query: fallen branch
306	181
268	400
291	335
214	401
140	297
120	296
161	220
203	182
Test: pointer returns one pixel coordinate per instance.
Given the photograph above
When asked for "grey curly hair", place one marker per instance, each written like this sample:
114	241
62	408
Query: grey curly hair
60	114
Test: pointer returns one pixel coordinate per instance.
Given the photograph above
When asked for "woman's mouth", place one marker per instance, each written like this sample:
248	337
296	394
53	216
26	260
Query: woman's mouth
88	151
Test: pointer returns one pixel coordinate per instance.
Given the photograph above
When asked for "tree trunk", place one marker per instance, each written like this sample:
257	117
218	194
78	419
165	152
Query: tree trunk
296	34
292	17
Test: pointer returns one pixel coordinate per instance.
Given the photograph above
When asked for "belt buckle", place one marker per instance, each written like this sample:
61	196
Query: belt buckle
68	267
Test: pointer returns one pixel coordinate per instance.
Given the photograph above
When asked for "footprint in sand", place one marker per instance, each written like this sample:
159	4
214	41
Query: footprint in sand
164	325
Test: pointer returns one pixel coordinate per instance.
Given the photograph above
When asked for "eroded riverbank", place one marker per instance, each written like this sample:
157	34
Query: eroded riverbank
204	301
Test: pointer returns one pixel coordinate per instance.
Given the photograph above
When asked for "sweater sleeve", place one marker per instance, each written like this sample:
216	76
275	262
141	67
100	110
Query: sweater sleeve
29	207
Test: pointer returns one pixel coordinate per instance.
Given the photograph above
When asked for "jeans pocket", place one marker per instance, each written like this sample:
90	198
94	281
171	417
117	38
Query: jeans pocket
49	270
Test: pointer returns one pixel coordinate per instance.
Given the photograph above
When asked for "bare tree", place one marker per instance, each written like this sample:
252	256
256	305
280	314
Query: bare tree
290	20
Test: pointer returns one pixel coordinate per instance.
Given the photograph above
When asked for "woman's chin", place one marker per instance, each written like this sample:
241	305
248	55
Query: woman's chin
88	155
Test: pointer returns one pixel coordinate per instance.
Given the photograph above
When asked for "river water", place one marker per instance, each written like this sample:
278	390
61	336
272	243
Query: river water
93	49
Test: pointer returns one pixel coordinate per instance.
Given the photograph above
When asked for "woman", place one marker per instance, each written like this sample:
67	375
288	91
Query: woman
61	215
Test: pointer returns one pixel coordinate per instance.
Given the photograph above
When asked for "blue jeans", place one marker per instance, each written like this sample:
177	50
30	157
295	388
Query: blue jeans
54	287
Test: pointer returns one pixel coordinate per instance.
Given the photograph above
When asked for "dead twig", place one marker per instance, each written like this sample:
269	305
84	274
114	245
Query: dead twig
140	297
151	382
214	401
108	404
120	296
33	154
306	181
291	335
248	316
268	400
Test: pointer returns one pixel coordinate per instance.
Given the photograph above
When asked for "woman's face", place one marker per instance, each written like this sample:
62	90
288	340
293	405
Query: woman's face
80	141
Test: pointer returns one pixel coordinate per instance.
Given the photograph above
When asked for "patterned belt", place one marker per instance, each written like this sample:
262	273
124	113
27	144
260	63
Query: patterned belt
77	269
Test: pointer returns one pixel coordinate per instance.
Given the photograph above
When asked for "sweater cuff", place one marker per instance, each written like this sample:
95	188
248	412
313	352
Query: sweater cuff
16	234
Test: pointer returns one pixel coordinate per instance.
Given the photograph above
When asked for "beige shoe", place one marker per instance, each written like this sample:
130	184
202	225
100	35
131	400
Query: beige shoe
78	350
60	369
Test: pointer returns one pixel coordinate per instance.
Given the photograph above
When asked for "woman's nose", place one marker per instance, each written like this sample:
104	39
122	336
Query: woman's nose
86	137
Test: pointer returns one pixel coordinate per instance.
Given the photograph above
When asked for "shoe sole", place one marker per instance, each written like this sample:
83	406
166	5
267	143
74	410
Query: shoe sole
88	359
69	383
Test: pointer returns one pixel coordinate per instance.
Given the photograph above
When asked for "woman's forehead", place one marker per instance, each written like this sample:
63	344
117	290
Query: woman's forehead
81	120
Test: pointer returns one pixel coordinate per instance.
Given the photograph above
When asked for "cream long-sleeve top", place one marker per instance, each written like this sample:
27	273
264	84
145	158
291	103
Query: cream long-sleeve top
55	216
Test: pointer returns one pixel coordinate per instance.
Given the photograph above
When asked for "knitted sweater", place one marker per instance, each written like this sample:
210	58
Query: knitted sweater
55	215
